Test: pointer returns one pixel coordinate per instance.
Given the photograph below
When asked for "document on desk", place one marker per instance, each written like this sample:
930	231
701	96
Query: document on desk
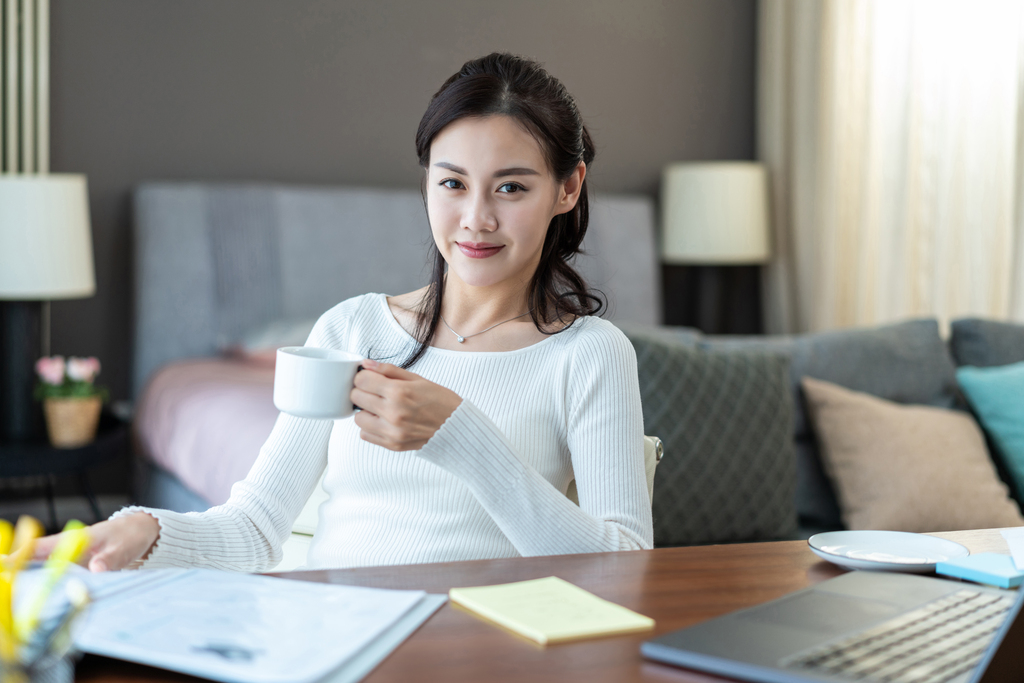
243	628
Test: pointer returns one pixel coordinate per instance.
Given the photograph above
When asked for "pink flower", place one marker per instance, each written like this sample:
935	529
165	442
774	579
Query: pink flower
51	370
83	369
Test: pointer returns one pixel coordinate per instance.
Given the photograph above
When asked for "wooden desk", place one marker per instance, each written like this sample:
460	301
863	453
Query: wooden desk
675	586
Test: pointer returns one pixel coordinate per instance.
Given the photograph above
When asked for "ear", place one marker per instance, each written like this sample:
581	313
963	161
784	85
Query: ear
569	192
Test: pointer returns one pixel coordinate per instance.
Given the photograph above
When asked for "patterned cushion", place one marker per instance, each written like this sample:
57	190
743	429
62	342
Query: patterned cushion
726	419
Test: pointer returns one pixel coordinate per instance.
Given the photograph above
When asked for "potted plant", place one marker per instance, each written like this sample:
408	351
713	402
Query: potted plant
71	401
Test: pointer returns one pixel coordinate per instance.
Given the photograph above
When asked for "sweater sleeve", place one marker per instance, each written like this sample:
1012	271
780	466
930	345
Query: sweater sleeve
246	533
605	440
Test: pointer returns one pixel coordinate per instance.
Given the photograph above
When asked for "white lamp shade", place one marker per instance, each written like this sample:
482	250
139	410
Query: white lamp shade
45	241
715	213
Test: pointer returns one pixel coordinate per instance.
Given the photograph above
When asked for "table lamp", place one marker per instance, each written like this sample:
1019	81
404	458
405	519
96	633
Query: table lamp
715	214
45	254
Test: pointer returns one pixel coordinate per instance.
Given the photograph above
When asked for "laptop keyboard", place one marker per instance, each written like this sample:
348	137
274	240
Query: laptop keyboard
931	644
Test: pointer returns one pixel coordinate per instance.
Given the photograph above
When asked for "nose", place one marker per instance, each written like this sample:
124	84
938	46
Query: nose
479	214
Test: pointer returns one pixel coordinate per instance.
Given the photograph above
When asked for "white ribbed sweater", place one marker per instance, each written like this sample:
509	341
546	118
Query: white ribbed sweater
490	483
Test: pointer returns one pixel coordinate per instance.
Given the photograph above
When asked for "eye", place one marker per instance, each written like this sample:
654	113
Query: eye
451	184
511	188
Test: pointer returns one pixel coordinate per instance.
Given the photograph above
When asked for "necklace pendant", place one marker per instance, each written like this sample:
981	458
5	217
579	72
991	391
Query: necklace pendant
461	339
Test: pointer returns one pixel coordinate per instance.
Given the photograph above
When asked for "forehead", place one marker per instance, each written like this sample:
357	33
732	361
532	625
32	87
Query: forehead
487	143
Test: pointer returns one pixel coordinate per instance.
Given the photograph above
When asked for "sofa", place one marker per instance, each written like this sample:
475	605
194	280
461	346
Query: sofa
907	363
223	269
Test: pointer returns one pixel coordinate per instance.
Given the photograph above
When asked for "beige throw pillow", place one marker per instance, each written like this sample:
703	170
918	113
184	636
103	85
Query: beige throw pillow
906	468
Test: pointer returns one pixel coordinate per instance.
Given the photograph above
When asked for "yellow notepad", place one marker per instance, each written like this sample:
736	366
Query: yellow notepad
550	610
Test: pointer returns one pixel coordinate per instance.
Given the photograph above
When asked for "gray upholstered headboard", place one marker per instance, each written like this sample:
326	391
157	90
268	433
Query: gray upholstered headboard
213	261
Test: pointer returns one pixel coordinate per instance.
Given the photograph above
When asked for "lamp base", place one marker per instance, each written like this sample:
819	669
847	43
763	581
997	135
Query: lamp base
713	299
21	417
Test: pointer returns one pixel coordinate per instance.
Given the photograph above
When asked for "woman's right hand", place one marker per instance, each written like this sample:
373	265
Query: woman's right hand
113	544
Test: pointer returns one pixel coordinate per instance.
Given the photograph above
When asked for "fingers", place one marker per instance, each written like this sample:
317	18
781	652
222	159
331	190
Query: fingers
18	558
119	542
112	544
112	555
378	431
379	390
44	546
367	401
371	424
372	383
389	370
109	555
401	410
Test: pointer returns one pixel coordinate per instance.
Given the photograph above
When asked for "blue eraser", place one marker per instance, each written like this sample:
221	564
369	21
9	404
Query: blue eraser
988	568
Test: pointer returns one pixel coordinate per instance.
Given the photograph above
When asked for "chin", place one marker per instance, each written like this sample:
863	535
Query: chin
480	279
479	274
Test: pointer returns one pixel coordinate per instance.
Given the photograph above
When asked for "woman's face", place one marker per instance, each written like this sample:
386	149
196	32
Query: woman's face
490	198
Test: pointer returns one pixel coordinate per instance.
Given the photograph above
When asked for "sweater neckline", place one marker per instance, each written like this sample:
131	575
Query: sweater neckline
383	299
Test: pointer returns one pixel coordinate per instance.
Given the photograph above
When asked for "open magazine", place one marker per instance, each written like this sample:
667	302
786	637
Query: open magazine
240	628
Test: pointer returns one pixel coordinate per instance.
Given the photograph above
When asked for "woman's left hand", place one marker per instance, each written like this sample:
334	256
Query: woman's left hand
400	409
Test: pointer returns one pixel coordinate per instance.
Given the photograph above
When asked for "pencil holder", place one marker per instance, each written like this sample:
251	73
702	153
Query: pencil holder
49	669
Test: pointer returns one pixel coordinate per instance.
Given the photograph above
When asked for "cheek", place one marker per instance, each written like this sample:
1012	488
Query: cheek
529	223
442	216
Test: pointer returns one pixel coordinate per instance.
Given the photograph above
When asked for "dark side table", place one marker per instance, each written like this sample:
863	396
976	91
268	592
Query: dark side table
40	459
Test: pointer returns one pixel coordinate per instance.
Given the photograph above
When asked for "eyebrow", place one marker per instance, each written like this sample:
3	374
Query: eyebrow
500	173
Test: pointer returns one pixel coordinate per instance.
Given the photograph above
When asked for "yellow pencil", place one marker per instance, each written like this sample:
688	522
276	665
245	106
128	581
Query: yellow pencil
27	529
6	536
7	651
15	561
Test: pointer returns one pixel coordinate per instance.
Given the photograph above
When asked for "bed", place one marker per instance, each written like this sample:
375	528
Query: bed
226	272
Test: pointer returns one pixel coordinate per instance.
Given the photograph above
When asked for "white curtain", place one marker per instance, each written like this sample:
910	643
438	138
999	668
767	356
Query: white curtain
893	131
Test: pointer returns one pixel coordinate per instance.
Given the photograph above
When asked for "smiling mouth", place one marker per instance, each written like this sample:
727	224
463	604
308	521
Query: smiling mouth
479	249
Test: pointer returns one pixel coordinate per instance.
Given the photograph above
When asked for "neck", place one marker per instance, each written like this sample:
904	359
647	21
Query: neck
475	308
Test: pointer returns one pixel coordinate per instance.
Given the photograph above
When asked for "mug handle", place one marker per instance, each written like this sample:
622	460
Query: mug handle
355	408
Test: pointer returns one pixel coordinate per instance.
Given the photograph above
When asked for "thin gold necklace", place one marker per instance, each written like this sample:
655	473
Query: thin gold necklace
463	338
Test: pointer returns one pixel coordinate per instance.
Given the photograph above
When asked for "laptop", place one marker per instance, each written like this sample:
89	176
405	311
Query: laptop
861	626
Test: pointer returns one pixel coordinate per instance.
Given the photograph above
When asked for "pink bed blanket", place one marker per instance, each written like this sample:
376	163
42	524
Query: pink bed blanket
205	420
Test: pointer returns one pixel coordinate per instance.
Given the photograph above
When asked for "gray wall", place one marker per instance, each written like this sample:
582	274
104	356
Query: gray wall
330	91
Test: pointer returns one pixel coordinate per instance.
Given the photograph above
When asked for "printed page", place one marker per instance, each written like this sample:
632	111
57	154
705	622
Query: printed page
101	586
242	628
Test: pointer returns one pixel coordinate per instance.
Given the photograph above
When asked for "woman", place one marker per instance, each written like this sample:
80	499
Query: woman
508	386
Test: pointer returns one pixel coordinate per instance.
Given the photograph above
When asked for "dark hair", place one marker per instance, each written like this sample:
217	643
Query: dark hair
507	85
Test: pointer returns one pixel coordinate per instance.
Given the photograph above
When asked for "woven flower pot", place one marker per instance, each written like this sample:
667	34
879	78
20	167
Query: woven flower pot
72	422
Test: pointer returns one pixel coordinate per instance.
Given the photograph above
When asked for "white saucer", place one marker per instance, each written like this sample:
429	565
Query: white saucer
895	551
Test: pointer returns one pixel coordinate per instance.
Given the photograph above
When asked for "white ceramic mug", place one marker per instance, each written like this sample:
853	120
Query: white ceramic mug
315	383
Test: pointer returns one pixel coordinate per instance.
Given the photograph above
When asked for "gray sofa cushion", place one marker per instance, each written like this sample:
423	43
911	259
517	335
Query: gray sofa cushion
905	362
729	470
985	343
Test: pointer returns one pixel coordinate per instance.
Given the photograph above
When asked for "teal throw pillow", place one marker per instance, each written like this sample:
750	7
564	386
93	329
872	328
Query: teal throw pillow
996	395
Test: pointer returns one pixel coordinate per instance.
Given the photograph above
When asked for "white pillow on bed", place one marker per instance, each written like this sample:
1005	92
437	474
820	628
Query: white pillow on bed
260	344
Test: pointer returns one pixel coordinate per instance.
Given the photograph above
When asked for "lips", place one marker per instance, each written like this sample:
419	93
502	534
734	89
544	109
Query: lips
479	249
